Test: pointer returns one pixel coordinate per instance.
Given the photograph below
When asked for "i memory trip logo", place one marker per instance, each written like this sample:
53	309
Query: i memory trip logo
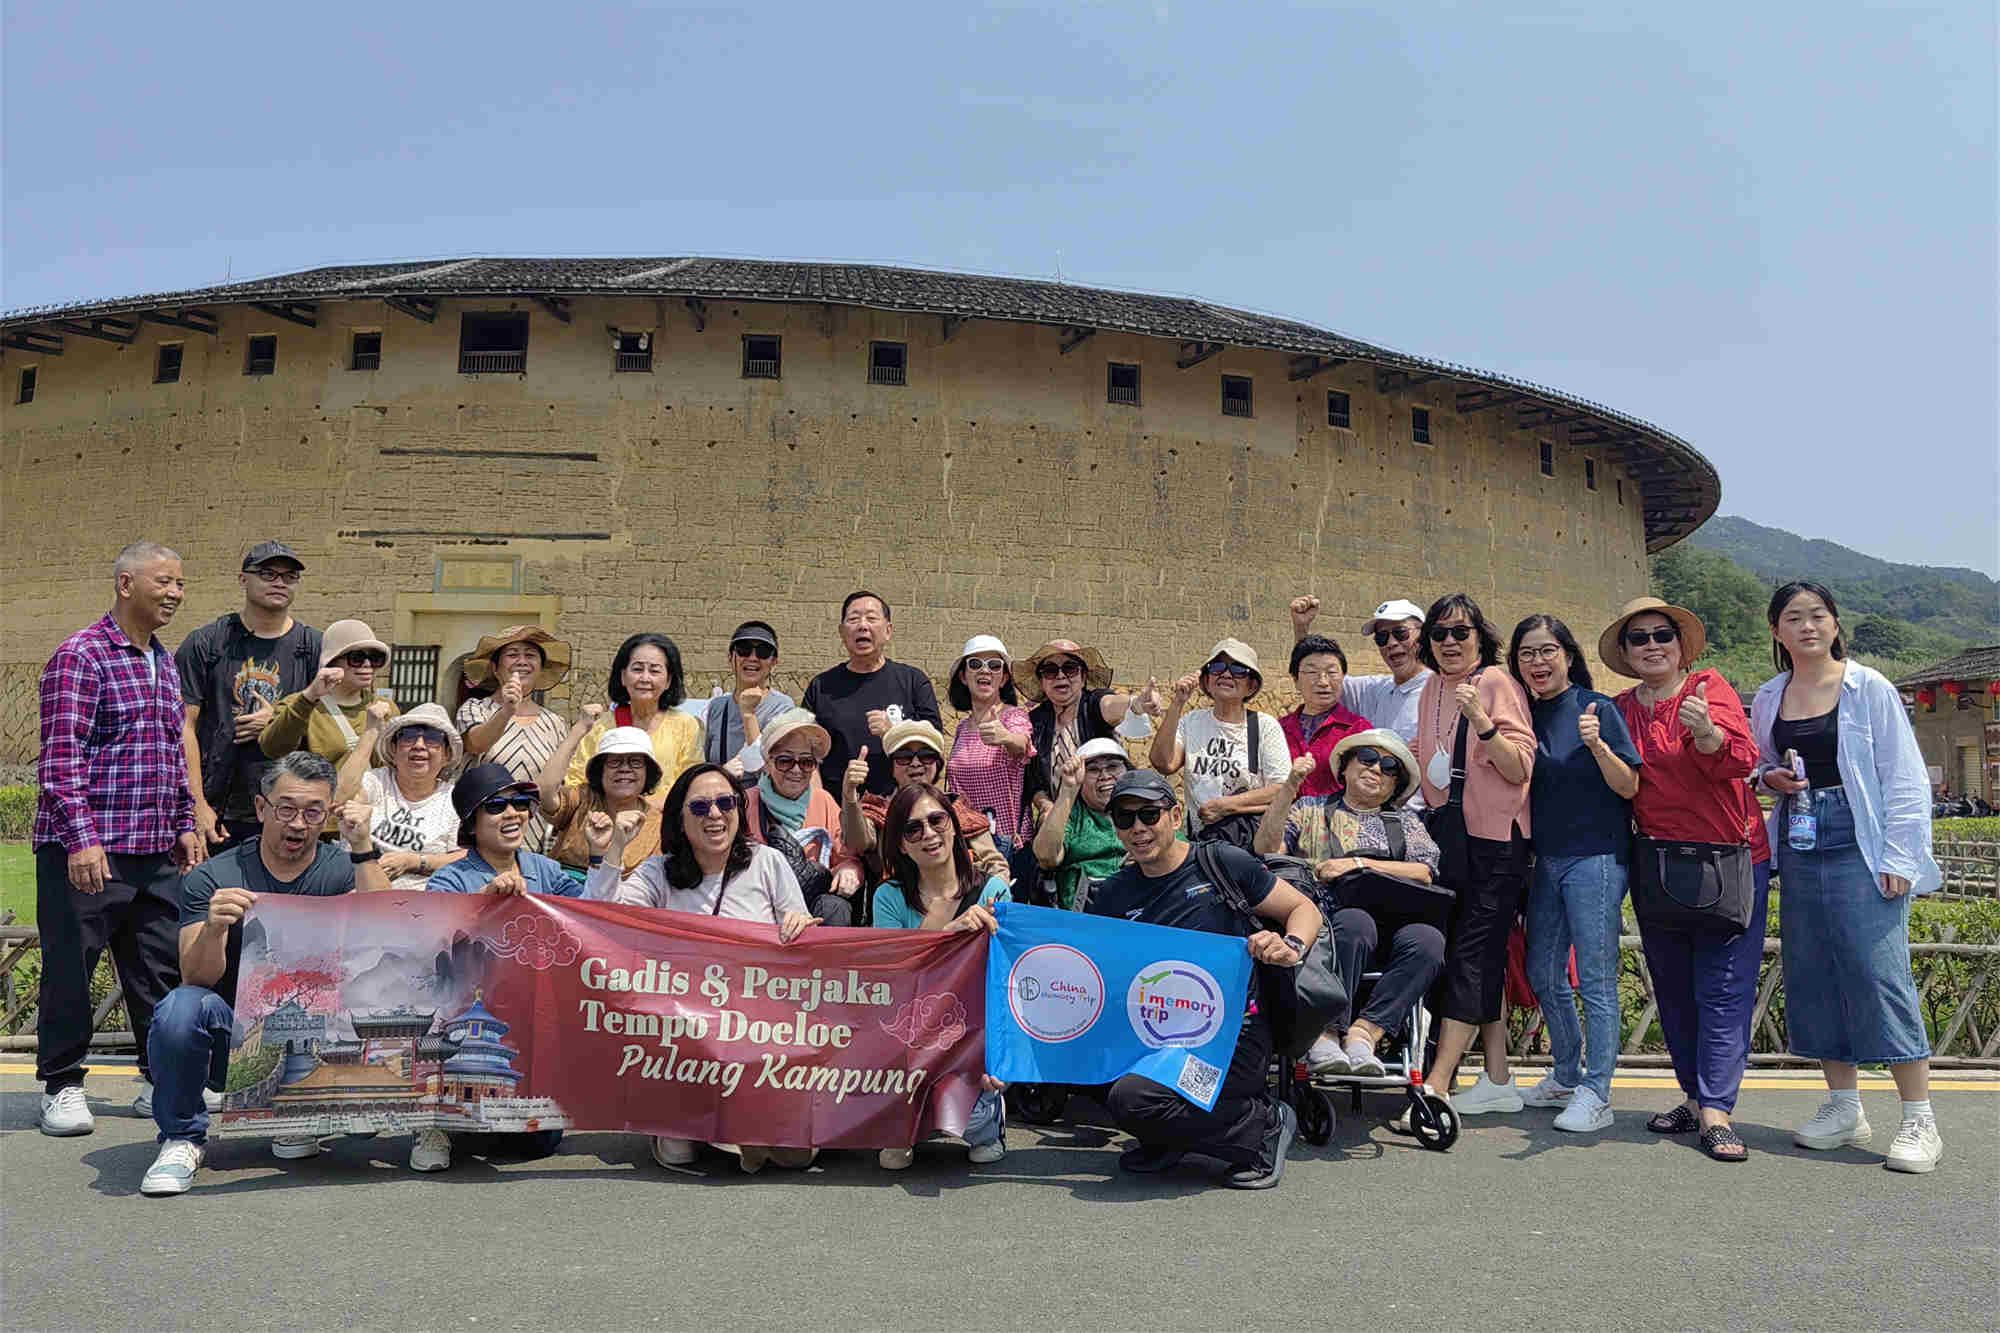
1174	1003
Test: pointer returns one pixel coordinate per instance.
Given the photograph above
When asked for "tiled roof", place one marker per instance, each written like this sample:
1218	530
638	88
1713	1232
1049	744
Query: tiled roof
1680	487
1974	665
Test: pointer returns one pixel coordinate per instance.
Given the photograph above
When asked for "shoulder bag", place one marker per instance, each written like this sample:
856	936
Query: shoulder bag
1299	1001
1391	899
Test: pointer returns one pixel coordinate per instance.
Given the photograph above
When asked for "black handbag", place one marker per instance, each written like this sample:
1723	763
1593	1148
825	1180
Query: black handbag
1239	830
814	878
1704	888
1299	1001
1391	899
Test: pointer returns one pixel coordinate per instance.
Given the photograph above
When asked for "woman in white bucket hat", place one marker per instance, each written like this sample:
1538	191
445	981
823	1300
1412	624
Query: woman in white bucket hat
992	746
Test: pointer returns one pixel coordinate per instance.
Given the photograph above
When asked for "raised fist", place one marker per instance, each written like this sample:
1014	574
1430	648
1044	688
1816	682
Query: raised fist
1304	611
1185	687
627	823
597	828
1302	768
379	713
878	721
326	682
357	817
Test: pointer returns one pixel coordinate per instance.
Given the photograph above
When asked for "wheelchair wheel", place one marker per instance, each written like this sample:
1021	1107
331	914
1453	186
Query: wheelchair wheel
1037	1103
1315	1112
1433	1122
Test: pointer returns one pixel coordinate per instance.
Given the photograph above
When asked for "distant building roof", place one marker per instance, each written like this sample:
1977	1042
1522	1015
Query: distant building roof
1679	487
1975	664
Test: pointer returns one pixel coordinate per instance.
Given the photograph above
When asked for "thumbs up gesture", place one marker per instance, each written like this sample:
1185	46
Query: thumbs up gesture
856	776
1694	713
1587	728
1148	701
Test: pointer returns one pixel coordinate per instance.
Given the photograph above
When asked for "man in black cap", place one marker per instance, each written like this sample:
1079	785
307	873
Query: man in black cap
233	670
1165	886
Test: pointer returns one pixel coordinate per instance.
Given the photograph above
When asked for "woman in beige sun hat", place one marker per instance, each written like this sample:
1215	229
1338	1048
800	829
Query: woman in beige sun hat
1227	785
508	727
415	758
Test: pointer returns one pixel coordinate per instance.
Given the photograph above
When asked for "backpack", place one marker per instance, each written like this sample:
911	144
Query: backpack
1300	1001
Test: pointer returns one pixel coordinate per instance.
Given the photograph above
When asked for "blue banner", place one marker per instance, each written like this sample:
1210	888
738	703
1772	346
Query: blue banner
1072	998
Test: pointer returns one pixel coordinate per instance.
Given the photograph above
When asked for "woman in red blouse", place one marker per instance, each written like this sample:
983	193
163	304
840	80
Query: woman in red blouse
1694	736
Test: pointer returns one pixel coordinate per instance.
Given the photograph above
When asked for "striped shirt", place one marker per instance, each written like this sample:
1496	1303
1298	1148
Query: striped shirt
112	771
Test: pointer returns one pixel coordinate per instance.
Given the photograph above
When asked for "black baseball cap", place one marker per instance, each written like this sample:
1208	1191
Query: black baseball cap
1142	784
263	553
753	631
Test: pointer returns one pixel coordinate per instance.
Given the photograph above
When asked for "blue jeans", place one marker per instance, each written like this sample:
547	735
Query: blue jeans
1706	986
1577	901
188	1049
988	1121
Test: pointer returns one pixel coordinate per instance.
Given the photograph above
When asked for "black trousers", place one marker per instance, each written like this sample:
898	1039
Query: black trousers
1409	961
137	916
1492	890
1233	1132
833	910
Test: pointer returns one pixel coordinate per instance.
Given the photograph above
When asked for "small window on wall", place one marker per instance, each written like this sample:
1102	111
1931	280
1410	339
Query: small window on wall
888	363
413	673
262	356
365	352
1620	484
1236	395
167	366
26	393
493	344
1121	384
761	357
1548	459
1339	410
634	353
1420	425
1590	474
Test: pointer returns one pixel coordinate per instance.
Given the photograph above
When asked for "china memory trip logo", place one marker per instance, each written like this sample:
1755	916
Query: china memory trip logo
1174	1003
1055	992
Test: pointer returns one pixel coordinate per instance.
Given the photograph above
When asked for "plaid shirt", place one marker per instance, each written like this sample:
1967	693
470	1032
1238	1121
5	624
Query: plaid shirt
112	771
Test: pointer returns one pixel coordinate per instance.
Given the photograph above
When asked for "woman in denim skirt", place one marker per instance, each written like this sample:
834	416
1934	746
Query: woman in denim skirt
1853	840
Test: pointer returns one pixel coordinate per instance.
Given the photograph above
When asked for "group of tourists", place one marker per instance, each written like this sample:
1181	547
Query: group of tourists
1488	776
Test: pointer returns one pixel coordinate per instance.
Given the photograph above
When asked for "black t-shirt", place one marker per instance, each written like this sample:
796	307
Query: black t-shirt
226	670
1184	898
1040	777
242	867
842	699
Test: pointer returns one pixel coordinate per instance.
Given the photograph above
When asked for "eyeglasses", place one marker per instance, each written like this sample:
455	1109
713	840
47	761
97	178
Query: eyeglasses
425	735
1224	667
272	575
794	763
1456	633
1056	670
1387	764
905	758
362	657
985	664
1401	634
520	803
1126	816
312	816
1548	652
700	806
756	648
1321	673
635	763
937	820
1100	766
1639	638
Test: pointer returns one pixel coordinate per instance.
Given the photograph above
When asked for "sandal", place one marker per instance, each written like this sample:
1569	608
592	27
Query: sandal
1718	1140
1680	1120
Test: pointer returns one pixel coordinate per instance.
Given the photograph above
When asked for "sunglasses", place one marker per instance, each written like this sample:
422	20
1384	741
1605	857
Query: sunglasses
362	657
426	735
1401	634
1223	667
520	803
794	763
1125	817
1387	764
1456	633
985	664
905	758
700	806
756	648
1639	638
936	820
1057	670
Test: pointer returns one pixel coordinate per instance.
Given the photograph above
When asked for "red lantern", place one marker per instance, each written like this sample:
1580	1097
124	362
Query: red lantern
1925	698
1993	687
1954	688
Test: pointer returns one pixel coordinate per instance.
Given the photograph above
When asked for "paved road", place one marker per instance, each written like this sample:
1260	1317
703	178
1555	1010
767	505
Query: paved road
1518	1227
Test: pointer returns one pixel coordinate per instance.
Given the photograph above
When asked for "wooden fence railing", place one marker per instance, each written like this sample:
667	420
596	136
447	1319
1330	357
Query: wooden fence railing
1971	869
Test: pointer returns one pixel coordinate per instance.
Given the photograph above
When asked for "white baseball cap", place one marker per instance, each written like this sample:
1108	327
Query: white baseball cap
1395	612
1102	748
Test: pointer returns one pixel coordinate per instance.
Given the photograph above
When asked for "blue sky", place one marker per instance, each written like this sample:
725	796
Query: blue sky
1770	228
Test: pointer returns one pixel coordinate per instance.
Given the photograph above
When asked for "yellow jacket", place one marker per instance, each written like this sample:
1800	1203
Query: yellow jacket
677	741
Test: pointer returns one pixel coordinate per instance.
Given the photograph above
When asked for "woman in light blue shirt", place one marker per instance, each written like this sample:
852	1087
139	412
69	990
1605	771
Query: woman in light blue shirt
1852	836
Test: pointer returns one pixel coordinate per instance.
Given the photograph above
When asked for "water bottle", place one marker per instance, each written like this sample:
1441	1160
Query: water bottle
1801	825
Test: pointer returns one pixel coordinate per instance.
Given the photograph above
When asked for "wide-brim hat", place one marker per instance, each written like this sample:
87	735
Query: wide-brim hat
480	783
1382	739
917	731
1096	675
623	740
423	715
1611	643
343	637
1236	651
479	668
791	722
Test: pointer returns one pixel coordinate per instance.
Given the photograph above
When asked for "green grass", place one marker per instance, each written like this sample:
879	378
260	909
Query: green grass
17	882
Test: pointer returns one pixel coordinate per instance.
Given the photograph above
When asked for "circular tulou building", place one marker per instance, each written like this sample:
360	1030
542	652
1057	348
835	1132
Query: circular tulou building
606	445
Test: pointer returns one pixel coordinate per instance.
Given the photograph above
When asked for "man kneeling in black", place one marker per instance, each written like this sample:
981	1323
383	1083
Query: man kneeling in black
1164	886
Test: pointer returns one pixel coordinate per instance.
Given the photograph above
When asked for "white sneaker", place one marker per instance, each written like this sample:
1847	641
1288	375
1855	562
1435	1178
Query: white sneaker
172	1172
211	1100
1917	1147
66	1113
673	1152
895	1159
1586	1113
982	1153
1548	1093
1325	1056
1362	1062
431	1151
295	1146
1837	1124
1485	1095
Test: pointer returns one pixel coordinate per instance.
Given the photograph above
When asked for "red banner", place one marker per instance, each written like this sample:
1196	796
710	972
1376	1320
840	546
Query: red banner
396	1012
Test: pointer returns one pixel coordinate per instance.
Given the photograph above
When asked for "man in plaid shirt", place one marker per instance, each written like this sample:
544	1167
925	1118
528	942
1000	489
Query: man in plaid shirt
114	826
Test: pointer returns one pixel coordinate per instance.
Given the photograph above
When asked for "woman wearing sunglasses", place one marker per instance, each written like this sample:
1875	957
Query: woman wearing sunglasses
991	748
736	720
1350	831
916	754
328	716
1230	781
1468	706
932	885
622	782
1691	732
1070	685
416	755
1586	773
790	811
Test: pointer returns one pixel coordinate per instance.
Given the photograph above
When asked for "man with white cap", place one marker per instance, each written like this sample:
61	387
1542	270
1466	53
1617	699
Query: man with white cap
1076	840
1386	701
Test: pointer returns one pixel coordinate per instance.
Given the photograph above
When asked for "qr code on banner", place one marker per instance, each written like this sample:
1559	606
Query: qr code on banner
1199	1079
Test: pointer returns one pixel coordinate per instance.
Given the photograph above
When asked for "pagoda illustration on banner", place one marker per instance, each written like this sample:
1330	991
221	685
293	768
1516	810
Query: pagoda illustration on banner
402	1070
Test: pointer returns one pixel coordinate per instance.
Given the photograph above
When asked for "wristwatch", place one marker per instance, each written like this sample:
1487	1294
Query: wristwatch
1297	945
372	854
